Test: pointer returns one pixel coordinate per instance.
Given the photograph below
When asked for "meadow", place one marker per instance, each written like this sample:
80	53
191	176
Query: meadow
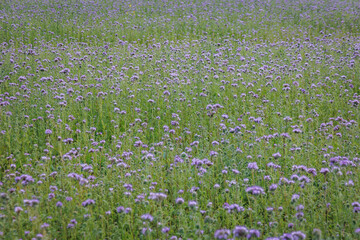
193	119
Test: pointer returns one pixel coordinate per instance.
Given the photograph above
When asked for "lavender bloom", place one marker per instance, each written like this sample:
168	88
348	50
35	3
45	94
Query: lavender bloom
45	225
298	235
240	232
147	217
295	197
65	70
253	165
233	207
145	231
88	202
129	104
222	234
324	171
192	204
255	190
253	233
276	155
121	209
69	199
48	131
70	225
273	187
18	209
157	196
31	202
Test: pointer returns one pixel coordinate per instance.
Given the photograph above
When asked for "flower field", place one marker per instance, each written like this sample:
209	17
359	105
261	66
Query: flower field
193	119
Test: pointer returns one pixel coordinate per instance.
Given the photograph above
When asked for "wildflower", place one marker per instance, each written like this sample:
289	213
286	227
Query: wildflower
324	171
240	232
70	225
31	202
68	199
253	233
18	209
157	196
147	217
145	231
298	235
295	197
88	202
48	131
222	234
192	204
253	165
276	155
45	225
273	187
179	201
255	190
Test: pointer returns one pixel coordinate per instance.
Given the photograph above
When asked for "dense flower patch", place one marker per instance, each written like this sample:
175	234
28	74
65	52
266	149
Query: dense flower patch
179	120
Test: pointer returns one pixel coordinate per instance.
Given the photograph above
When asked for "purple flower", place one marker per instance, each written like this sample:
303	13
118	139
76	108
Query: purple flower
157	196
253	165
145	231
222	234
253	233
295	197
233	207
48	131
18	209
324	171
65	70
69	199
273	187
179	201
255	190
147	217
121	209
31	202
296	130
45	225
70	225
88	202
276	155
51	196
298	235
213	153
240	232
192	204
